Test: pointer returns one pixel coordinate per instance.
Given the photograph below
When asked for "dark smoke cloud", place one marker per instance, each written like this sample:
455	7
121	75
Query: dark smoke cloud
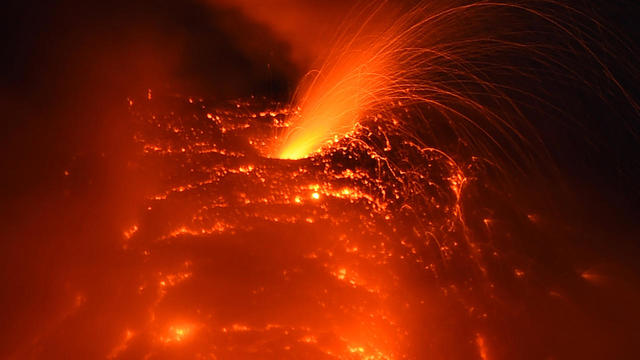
308	26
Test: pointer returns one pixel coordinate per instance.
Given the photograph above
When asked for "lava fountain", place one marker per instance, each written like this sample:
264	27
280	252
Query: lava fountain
444	60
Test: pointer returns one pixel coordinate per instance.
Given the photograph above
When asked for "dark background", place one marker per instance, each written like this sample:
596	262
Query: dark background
67	70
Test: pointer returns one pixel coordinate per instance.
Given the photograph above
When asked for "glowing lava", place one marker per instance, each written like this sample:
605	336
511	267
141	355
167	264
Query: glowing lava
333	100
319	258
368	220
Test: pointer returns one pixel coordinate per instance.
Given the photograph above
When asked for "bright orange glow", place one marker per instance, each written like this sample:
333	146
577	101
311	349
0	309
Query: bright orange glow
177	333
334	100
132	230
366	220
335	97
482	347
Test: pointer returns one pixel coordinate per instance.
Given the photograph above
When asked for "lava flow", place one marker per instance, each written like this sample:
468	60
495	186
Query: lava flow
374	248
342	255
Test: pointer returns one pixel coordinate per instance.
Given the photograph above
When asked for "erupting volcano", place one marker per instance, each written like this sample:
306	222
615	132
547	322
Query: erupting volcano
342	255
404	204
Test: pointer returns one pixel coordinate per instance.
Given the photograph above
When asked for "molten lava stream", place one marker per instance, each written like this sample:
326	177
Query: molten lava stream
342	255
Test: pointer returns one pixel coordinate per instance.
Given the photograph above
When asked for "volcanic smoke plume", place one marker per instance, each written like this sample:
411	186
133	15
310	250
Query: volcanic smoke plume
441	184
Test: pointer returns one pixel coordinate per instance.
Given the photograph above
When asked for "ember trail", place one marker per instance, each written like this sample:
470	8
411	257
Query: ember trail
466	79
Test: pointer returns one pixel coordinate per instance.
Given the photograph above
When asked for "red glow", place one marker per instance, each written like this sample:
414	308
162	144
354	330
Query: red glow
390	209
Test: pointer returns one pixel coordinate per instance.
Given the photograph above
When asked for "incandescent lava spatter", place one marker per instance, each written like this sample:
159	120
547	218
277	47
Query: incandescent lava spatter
375	247
358	252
